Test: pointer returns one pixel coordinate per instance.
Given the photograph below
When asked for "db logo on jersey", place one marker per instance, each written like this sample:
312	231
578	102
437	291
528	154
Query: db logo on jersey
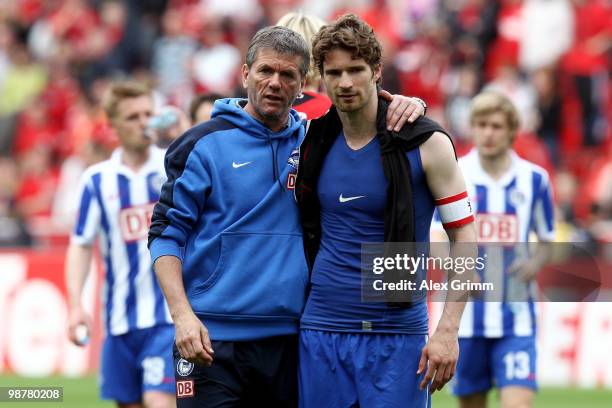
134	222
497	228
291	181
184	389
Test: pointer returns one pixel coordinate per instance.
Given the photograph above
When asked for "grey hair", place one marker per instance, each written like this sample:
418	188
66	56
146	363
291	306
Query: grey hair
283	41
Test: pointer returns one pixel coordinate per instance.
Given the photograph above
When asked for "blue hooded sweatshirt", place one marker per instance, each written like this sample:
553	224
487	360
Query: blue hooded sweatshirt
228	213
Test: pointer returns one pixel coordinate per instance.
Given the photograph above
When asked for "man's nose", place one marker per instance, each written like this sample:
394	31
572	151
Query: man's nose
345	80
143	121
274	81
489	131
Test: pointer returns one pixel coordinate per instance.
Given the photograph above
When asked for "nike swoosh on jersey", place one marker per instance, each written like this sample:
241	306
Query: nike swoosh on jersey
345	199
238	165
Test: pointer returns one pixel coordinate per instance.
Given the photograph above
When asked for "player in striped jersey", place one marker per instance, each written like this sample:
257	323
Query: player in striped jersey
511	198
116	202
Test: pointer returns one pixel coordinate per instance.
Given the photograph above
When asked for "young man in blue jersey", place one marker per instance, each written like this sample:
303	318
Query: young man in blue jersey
360	183
116	202
511	198
226	238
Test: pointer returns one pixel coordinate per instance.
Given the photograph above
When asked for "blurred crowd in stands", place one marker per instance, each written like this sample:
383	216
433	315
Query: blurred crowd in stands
552	57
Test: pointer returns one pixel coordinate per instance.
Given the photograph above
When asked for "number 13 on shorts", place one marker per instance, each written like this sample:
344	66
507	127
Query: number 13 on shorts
517	365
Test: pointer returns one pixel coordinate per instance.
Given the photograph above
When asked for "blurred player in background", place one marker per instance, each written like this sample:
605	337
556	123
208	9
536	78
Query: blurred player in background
311	103
359	182
201	106
116	202
511	198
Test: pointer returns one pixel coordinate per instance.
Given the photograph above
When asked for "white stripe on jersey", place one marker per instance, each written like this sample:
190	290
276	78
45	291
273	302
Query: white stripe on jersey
466	328
498	195
119	261
126	228
145	296
523	325
492	306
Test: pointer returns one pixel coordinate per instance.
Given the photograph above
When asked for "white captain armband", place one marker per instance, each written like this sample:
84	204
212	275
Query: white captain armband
455	211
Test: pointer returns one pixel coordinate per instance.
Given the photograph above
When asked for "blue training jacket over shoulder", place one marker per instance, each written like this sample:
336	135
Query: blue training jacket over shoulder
228	213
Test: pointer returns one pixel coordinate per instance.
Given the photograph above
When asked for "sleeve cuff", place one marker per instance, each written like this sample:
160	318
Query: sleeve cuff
81	240
165	247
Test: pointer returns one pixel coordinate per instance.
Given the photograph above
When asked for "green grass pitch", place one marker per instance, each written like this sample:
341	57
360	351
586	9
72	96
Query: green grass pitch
83	392
546	398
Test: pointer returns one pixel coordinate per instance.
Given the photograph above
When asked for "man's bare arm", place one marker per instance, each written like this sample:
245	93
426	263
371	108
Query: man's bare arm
78	261
444	179
527	269
192	338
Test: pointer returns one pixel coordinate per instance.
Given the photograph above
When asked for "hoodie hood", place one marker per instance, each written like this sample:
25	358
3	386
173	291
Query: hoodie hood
230	109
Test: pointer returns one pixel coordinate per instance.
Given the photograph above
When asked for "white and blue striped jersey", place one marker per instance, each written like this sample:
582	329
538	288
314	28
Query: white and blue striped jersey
507	210
116	205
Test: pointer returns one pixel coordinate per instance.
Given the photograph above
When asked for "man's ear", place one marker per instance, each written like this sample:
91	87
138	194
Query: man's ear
303	84
377	73
245	75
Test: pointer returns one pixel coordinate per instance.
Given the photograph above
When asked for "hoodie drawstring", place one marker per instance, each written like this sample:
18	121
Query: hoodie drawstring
275	175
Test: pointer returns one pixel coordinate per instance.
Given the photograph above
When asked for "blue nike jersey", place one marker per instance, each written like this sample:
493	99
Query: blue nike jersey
352	191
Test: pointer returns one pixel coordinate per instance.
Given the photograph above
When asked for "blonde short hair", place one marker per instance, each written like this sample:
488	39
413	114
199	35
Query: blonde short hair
307	26
119	91
488	102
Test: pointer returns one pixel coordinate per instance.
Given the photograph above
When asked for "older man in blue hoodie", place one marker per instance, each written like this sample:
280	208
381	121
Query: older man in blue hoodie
226	239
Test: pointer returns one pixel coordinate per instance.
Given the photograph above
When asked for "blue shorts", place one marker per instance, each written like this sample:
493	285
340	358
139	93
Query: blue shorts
501	362
372	370
137	362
